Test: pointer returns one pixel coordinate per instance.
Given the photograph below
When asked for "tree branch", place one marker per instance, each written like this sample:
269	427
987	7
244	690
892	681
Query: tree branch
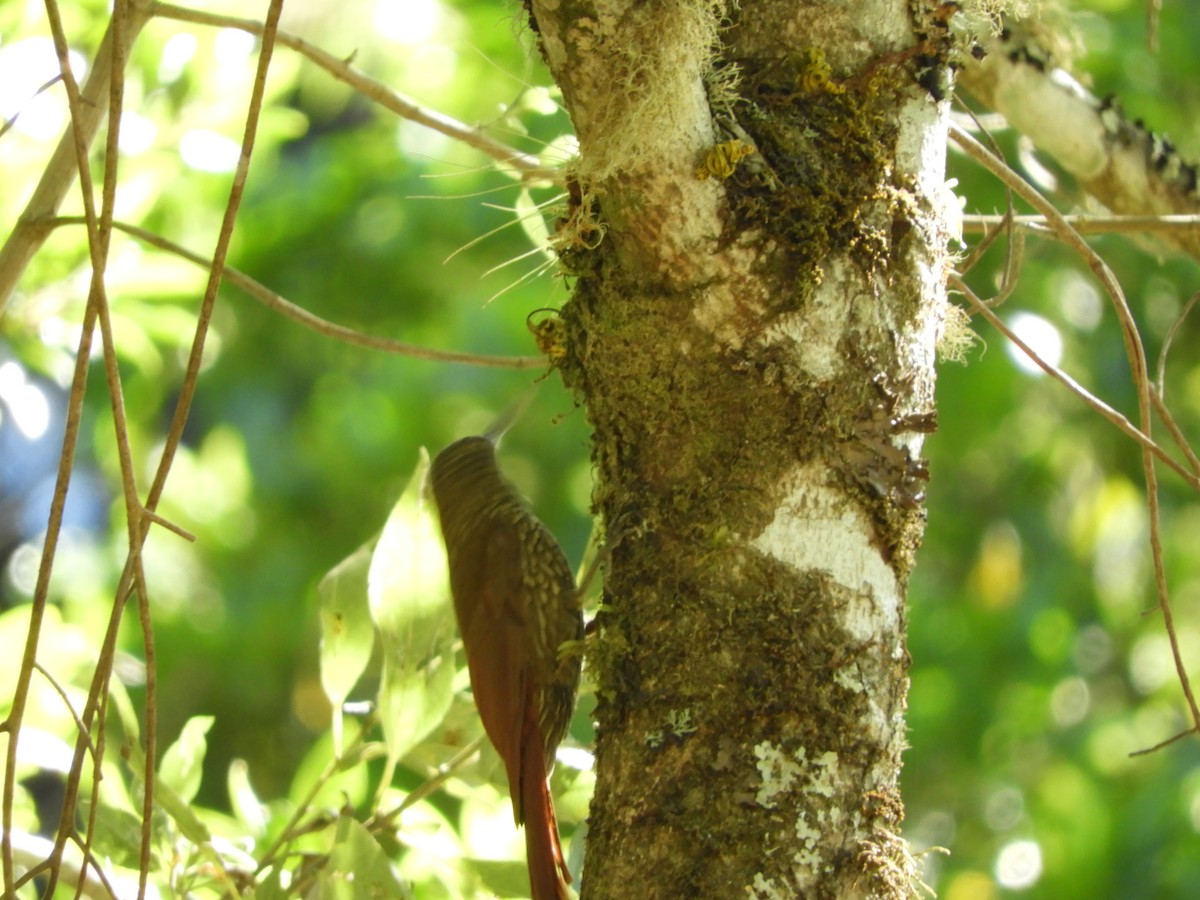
1122	165
1090	224
311	321
60	172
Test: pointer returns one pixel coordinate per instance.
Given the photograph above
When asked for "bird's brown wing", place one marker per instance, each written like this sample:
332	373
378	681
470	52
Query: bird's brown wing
495	634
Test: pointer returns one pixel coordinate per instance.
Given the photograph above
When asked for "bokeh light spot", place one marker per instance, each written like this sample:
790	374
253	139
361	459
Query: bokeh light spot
25	402
1019	865
1041	336
207	151
1070	701
25	68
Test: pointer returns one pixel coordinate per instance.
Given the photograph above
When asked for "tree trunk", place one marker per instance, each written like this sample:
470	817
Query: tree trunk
753	336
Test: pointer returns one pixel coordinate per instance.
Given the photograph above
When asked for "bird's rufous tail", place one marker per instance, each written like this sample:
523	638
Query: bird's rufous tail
548	873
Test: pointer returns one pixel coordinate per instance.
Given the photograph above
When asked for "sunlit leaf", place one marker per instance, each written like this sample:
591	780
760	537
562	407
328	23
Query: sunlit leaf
183	762
242	797
347	633
270	887
437	851
409	593
540	99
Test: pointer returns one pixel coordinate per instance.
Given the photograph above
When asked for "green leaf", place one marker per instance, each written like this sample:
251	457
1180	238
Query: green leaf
182	764
185	817
117	834
409	591
358	869
413	700
347	633
408	584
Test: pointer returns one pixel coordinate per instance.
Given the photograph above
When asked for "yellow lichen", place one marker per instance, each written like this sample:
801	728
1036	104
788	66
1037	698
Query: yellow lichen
721	161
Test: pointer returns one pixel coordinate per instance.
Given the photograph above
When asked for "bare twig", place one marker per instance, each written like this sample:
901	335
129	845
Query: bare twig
1171	740
170	526
1153	14
309	320
99	232
1170	339
99	244
1148	443
444	771
1159	394
1088	223
1015	249
72	151
12	120
32	851
991	229
62	693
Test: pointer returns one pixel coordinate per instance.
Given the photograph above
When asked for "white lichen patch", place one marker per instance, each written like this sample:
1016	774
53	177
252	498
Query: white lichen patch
816	529
778	772
680	722
783	773
850	678
765	888
808	834
921	145
806	862
815	332
795	773
824	775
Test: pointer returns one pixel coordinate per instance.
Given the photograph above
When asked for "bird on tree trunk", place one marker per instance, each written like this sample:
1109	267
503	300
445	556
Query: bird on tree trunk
516	603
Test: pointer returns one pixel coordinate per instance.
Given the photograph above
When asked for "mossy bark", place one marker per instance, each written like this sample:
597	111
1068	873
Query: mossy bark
754	344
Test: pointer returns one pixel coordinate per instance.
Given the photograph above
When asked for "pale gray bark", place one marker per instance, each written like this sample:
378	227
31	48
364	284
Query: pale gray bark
1120	164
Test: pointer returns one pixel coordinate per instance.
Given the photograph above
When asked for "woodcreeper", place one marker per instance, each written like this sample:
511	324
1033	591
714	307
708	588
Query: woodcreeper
516	603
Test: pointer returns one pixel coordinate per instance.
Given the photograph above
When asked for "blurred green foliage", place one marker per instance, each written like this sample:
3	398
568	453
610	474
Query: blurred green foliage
1038	661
